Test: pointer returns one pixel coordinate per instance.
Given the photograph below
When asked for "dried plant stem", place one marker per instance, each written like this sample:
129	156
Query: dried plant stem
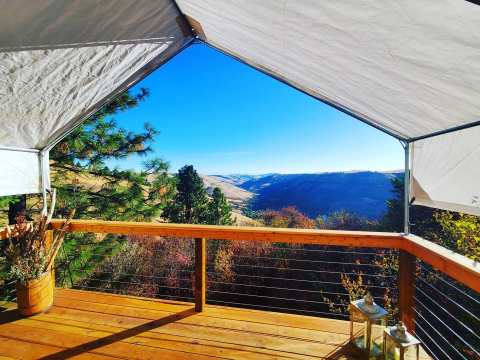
58	237
53	200
27	251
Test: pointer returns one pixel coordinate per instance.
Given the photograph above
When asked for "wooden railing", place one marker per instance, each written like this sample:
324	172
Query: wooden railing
410	247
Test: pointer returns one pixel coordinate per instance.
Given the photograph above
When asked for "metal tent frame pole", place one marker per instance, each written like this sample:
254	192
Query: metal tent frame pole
406	192
44	177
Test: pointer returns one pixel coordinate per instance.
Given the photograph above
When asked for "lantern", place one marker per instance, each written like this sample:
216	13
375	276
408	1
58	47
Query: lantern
399	344
367	322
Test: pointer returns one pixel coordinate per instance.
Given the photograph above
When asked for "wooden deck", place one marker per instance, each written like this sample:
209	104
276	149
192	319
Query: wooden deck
89	325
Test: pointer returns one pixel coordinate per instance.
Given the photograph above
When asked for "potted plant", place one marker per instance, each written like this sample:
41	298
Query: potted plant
30	254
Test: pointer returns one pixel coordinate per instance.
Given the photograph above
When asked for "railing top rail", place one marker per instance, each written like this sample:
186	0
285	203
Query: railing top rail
458	267
301	236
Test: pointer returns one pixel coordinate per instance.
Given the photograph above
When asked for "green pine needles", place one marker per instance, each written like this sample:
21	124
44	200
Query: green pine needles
191	204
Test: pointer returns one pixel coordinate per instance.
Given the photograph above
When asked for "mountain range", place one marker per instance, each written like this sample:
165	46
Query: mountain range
362	192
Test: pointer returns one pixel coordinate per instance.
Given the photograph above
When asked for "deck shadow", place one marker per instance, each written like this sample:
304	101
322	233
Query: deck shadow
83	348
344	352
9	315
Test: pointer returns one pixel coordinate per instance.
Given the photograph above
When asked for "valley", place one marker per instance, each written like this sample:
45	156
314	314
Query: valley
364	193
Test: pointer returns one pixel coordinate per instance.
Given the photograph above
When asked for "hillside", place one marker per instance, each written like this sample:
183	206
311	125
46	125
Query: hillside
364	192
236	196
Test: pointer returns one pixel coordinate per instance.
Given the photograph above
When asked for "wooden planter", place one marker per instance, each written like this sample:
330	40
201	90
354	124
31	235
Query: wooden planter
36	296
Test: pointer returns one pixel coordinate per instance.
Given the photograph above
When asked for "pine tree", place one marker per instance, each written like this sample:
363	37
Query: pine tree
13	206
219	211
81	172
189	206
84	180
422	218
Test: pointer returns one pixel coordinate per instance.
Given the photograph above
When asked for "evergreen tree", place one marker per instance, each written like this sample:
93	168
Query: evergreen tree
80	170
219	211
393	219
84	179
12	206
190	204
422	219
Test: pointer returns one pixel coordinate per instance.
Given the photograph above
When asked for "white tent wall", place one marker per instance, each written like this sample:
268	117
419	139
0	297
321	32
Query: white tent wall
21	172
60	61
446	171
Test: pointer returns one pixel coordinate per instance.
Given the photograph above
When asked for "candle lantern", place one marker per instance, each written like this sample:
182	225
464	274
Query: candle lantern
367	322
399	344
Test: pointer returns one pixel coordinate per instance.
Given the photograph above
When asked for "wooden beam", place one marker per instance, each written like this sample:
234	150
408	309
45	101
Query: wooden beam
200	274
406	289
458	267
300	236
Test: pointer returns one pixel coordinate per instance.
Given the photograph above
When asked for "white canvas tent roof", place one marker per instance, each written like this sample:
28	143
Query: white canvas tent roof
61	60
411	69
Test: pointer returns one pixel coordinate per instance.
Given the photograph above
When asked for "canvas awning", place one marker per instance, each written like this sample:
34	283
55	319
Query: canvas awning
411	68
61	60
446	171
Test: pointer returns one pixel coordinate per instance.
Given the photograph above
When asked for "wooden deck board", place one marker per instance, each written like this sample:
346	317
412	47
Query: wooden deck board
89	325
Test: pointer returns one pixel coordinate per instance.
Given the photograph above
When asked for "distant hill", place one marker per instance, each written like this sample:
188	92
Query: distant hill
238	179
363	192
237	196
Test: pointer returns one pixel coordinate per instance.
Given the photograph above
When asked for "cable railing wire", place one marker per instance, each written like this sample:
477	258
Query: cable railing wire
318	292
446	312
276	288
116	291
328	251
424	345
428	316
449	299
275	298
310	271
298	280
137	275
262	288
451	312
136	283
442	279
432	353
276	308
445	326
308	261
440	335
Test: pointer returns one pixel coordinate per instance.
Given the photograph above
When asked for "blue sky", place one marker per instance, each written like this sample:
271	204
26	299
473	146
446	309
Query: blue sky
225	118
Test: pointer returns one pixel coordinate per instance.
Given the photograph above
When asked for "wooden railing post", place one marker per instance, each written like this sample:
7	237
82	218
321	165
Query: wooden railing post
406	289
200	274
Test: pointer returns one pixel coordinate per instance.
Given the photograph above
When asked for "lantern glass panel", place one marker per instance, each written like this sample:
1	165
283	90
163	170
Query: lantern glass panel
376	338
366	329
396	350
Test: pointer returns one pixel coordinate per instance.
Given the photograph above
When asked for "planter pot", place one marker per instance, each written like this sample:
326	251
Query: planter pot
35	296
